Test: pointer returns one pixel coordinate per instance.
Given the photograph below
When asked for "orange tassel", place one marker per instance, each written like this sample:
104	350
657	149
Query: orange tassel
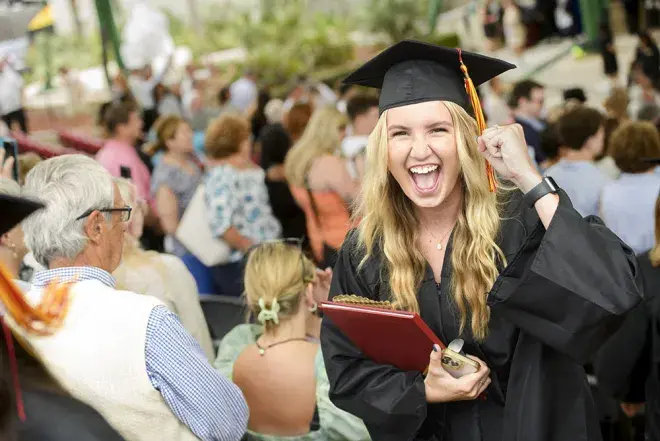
42	320
479	116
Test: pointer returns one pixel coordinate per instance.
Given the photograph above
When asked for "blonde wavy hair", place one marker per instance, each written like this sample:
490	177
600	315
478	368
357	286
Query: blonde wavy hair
133	255
321	137
277	271
389	222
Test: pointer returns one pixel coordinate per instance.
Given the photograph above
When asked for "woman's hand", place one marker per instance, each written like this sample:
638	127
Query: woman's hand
441	387
322	286
506	150
6	166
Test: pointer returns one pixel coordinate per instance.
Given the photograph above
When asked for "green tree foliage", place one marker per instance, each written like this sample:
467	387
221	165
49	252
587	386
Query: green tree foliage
397	20
288	40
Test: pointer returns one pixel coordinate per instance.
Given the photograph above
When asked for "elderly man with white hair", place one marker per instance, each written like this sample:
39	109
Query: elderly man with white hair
122	353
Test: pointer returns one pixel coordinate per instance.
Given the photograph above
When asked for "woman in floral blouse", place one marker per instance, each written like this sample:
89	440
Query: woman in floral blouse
236	197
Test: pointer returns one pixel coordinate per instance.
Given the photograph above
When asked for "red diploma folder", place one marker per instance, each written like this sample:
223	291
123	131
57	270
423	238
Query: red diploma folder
397	338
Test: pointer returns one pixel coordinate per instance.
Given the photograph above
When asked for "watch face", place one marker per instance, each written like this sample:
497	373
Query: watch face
552	184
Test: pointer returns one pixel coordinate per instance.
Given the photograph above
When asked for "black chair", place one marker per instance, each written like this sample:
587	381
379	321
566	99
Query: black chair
222	313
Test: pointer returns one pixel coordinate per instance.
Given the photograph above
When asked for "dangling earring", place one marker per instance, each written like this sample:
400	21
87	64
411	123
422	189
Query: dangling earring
313	308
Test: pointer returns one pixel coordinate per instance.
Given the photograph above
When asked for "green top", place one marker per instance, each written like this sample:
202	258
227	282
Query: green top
335	424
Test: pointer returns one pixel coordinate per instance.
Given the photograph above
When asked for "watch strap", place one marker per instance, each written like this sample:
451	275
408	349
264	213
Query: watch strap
546	186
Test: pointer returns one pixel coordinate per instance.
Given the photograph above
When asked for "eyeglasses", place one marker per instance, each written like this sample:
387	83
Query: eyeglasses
125	212
292	241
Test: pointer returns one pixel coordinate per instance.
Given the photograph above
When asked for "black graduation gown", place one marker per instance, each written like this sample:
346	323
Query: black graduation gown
53	417
628	365
563	293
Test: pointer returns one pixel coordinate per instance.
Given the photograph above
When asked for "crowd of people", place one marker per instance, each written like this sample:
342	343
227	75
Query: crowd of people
324	192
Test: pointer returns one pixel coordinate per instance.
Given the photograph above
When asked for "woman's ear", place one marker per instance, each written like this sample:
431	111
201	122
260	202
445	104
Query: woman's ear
309	295
95	227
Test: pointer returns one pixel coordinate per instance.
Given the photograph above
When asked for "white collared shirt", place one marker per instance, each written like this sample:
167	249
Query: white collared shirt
11	91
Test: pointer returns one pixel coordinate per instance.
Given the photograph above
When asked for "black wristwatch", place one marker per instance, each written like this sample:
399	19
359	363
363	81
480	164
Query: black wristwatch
547	185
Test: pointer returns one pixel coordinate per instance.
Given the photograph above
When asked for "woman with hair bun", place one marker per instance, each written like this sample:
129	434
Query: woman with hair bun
277	363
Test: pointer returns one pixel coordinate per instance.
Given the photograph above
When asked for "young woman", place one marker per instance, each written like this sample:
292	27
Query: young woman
280	358
321	184
532	287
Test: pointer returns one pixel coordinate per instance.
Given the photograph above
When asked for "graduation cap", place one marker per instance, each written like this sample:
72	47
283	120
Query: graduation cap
412	72
14	209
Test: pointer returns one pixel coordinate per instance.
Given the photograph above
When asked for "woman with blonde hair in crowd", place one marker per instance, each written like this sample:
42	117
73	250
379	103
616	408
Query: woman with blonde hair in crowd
458	226
320	182
173	183
159	275
280	358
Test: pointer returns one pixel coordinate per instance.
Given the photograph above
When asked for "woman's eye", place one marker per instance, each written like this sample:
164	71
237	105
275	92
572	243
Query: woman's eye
439	130
400	133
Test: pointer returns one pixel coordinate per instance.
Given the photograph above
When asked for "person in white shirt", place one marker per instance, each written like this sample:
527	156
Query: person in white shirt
243	92
142	83
363	114
11	96
122	353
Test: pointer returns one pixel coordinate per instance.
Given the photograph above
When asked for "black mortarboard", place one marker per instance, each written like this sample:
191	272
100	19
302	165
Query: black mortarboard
14	209
575	93
413	72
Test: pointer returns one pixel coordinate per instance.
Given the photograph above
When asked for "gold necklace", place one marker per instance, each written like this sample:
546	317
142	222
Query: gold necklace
438	244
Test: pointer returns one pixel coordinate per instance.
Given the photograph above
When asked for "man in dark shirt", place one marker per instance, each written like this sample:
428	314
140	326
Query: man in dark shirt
527	102
275	144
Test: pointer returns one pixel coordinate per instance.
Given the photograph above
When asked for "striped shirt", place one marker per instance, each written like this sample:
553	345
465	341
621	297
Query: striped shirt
211	406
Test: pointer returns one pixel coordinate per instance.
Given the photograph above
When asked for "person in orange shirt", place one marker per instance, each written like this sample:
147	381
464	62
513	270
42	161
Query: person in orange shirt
321	184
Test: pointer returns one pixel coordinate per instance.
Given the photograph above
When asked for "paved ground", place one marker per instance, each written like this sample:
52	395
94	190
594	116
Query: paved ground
567	71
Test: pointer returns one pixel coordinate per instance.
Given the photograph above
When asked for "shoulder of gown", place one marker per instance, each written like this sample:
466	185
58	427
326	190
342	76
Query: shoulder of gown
569	286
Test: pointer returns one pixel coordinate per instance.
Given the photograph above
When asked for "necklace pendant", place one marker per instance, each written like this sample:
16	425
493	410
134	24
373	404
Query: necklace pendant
262	351
438	246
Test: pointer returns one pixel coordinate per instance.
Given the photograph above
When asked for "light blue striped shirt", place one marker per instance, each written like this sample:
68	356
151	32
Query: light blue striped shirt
628	209
201	398
582	181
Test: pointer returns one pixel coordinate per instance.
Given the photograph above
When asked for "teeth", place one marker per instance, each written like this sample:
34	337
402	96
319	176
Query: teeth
423	169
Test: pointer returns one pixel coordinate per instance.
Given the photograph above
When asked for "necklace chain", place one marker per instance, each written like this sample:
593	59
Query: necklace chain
262	349
438	244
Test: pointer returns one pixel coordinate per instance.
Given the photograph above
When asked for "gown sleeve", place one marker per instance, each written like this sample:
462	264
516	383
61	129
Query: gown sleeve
571	288
391	402
623	363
